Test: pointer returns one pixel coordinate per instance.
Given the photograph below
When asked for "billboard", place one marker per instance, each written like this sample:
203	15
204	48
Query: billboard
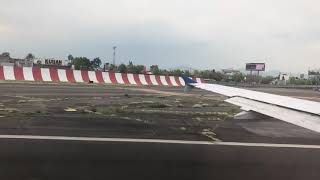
53	62
255	66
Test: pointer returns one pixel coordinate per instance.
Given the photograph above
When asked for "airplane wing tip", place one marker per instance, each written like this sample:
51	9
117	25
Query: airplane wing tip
187	80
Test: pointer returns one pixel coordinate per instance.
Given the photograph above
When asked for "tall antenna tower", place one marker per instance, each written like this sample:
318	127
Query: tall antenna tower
114	55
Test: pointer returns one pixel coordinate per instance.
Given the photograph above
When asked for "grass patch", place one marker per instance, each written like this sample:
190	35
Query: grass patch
109	110
158	105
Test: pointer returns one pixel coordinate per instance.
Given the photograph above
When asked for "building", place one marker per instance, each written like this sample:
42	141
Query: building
6	60
282	79
314	74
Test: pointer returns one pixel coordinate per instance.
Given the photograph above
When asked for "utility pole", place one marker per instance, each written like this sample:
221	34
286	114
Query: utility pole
114	55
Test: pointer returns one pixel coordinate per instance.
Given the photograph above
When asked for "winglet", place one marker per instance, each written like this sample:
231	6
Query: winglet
187	80
188	83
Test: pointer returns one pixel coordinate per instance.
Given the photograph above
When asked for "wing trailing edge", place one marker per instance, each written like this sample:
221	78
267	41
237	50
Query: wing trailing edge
300	112
299	118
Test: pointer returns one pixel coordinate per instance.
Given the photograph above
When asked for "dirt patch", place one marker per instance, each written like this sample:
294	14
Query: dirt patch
116	113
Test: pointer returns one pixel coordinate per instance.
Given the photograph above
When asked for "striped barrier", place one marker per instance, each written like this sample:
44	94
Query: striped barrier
82	76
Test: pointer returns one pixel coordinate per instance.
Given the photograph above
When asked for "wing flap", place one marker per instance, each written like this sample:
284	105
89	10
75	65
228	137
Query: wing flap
292	116
284	101
292	110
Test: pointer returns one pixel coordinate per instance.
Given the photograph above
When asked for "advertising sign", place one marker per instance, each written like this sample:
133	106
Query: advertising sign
255	66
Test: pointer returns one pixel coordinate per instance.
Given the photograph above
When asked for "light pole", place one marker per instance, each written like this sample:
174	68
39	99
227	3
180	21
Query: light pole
114	55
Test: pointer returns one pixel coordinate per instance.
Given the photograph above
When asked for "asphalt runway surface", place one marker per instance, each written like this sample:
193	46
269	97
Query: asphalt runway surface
91	89
86	159
51	159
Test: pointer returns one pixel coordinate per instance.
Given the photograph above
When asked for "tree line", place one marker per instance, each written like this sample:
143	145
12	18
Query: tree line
81	63
84	63
237	77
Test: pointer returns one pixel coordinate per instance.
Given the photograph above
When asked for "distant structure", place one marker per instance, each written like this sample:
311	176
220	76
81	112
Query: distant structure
302	76
314	74
6	60
51	62
114	55
230	71
106	67
282	79
255	67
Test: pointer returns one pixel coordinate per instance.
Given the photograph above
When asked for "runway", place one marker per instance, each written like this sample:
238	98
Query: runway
60	159
121	132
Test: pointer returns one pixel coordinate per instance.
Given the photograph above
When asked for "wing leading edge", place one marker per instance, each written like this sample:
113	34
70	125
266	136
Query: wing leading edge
292	110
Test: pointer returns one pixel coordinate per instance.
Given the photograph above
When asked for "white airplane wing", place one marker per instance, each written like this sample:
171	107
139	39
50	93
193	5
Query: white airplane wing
300	112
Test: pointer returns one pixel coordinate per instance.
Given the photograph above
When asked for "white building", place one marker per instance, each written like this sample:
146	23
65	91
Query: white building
314	74
282	79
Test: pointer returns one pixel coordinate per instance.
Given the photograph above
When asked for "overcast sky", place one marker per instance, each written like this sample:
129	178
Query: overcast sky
201	34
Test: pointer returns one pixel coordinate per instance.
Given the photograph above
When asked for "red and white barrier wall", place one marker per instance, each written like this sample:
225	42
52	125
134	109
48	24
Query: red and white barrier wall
80	76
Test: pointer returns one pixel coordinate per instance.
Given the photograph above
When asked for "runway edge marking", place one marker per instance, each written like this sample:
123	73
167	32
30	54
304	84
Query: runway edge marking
66	138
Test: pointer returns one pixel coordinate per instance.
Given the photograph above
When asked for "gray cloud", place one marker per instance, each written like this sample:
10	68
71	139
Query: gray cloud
203	34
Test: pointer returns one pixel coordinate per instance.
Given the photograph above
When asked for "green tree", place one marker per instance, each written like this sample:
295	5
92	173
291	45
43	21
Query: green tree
130	67
218	76
137	69
204	74
154	69
70	57
95	63
267	80
237	77
81	63
6	54
112	67
209	74
187	73
292	80
122	68
297	81
176	72
30	56
196	73
163	72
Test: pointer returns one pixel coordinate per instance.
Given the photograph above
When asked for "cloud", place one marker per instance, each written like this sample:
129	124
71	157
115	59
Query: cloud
203	34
